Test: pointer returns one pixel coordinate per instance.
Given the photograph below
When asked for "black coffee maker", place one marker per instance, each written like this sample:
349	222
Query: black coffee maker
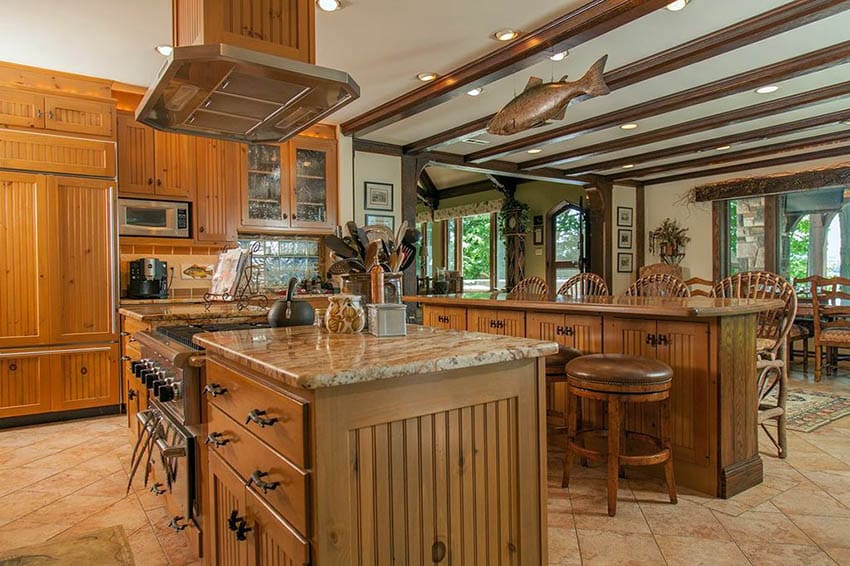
148	279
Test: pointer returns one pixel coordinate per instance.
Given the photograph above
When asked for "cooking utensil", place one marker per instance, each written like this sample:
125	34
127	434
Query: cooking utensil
372	254
346	266
412	236
359	244
380	231
339	247
399	235
409	255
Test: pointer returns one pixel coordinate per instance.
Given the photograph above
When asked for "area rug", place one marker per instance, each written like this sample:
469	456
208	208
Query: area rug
106	547
810	410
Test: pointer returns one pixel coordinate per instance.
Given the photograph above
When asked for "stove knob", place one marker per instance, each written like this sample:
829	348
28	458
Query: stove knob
140	366
160	384
166	393
143	375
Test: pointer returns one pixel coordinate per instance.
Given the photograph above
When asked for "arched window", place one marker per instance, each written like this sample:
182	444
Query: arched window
798	248
565	246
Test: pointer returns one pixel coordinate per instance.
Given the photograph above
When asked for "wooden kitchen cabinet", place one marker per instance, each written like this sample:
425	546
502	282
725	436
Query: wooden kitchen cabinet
24	264
24	383
271	540
227	506
30	151
448	318
82	260
86	377
153	163
52	112
290	187
217	199
496	321
584	333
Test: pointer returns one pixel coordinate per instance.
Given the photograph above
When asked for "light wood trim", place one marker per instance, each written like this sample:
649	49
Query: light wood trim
56	154
15	75
25	299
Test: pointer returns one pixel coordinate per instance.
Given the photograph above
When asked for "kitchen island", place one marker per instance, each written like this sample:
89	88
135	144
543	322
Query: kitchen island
710	344
362	450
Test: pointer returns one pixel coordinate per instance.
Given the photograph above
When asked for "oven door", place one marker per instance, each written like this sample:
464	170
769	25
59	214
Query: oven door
173	460
162	219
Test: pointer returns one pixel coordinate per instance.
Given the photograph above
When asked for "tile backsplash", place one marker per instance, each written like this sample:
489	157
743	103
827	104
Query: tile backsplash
188	266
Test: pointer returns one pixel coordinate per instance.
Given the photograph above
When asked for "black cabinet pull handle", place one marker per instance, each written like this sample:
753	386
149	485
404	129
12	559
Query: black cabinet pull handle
651	339
438	551
256	416
132	394
157	489
663	339
242	530
159	182
215	438
257	479
233	520
84	370
150	180
174	523
13	366
214	390
126	358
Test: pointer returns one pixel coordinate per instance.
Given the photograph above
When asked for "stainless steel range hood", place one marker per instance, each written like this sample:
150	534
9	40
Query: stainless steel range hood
226	92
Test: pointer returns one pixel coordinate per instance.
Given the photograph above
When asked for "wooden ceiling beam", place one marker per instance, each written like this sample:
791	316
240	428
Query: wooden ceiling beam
503	168
430	193
784	18
468	189
784	160
706	145
729	157
380	148
587	22
702	124
742	82
773	184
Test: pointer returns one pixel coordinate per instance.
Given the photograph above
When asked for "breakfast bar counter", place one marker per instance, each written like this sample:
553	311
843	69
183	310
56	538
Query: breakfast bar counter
710	344
352	449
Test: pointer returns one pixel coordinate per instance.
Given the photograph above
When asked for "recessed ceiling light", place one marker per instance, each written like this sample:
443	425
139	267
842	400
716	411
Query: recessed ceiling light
475	91
767	89
629	127
329	5
559	56
164	50
506	34
426	77
535	150
677	5
723	147
629	166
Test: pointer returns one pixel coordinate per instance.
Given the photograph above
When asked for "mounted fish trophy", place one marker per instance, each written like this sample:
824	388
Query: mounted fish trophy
541	102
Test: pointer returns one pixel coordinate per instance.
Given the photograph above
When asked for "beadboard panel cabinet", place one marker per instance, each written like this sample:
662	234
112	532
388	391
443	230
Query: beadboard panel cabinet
24	383
217	199
56	154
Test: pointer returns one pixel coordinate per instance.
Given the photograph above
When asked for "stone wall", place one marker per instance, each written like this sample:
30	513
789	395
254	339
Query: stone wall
750	232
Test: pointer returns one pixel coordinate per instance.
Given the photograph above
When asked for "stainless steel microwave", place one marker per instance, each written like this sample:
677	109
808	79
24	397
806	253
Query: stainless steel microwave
157	218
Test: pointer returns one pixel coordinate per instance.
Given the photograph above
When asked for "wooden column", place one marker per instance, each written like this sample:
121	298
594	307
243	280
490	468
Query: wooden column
599	216
640	226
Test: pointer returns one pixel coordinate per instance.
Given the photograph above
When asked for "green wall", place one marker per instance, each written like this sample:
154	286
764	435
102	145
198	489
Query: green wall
540	198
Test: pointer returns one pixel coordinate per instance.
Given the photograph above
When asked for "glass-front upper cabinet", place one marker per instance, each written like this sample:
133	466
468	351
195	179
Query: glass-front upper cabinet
291	186
313	182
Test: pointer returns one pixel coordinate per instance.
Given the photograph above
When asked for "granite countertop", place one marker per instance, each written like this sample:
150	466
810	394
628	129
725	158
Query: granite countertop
310	358
191	312
124	301
643	306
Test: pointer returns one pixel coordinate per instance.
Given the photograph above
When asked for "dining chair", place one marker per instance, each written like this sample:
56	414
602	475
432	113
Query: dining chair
583	285
802	330
772	329
658	285
831	318
700	287
529	288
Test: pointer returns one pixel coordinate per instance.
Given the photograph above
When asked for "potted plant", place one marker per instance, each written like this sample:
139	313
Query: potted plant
669	240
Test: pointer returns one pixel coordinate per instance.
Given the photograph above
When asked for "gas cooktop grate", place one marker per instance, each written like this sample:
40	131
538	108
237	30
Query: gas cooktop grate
184	334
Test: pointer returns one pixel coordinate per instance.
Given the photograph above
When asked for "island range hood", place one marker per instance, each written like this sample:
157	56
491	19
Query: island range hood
231	93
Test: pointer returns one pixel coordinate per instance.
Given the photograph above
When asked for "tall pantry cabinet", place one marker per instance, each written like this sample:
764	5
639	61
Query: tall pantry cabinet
58	334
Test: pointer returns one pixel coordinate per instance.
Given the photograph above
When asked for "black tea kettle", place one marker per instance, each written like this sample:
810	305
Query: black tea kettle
289	312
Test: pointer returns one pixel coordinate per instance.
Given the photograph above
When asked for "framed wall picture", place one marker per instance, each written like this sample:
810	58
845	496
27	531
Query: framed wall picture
377	196
625	216
383	219
624	239
625	262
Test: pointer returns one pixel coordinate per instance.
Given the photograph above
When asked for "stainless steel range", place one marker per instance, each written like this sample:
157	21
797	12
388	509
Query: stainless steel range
169	429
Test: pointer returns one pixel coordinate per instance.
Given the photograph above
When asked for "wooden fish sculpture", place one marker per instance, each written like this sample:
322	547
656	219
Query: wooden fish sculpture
540	101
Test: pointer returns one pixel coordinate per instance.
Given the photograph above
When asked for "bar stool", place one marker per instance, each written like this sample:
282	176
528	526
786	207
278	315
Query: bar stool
555	374
617	379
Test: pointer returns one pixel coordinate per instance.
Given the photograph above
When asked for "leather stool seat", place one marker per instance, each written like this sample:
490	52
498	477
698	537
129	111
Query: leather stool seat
556	362
618	373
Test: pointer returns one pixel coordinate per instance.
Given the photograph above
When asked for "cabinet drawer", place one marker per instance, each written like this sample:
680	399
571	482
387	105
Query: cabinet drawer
56	154
249	456
496	321
240	397
21	108
79	116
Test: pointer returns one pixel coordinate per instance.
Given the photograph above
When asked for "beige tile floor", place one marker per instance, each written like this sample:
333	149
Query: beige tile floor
66	479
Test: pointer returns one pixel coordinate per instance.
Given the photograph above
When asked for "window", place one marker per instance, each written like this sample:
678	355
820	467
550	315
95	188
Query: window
451	244
476	252
565	245
282	258
426	251
796	234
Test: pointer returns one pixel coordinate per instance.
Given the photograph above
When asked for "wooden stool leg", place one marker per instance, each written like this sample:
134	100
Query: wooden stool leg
572	430
579	421
613	452
621	469
667	441
782	421
806	355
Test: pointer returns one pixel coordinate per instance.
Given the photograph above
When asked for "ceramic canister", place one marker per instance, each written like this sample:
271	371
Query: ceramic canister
345	315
